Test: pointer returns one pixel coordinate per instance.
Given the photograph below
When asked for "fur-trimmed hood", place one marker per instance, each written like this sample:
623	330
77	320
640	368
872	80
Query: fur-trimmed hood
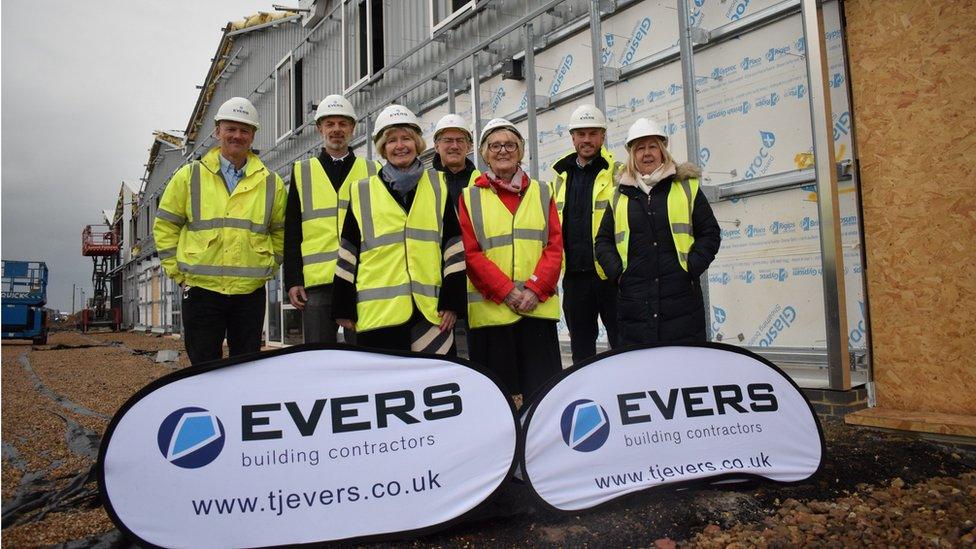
683	172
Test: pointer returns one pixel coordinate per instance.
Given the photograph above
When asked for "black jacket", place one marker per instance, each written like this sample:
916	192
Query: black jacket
456	182
578	211
337	172
658	301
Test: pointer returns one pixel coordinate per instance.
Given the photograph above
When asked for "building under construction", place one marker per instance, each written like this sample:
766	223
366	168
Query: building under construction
799	110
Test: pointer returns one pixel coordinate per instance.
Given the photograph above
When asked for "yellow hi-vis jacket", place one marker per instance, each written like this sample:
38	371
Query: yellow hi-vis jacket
681	201
226	243
400	259
323	212
602	192
514	243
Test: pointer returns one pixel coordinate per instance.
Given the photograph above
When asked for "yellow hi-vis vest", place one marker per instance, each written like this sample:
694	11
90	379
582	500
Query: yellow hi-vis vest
681	201
323	212
229	243
400	256
514	243
602	192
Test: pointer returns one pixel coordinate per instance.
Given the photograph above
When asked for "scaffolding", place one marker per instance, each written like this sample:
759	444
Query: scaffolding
103	244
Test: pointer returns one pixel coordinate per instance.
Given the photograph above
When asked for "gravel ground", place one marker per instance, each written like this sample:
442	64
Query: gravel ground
876	488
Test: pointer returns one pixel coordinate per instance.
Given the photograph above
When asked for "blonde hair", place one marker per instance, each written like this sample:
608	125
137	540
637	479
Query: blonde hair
411	131
520	150
631	166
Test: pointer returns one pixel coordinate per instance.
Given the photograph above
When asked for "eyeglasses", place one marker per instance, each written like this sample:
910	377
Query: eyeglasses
509	146
453	140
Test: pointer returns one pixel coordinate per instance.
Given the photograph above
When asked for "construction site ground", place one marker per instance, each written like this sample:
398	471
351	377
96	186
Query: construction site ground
875	488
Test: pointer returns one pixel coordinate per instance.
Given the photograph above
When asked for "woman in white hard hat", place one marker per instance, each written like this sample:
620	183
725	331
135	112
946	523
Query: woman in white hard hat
399	278
657	240
513	250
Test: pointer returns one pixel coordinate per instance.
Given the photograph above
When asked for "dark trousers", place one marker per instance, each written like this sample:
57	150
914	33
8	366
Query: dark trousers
585	297
209	317
317	323
418	330
523	355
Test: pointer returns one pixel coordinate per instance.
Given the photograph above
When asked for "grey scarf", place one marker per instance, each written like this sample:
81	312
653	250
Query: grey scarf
406	180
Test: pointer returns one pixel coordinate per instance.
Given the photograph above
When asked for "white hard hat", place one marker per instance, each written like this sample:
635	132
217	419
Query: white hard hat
452	121
587	116
395	115
335	105
498	124
643	127
238	109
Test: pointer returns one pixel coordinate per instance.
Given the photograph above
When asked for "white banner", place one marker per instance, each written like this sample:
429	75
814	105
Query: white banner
305	445
639	419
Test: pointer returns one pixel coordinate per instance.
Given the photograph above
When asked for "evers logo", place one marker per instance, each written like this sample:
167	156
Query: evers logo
440	402
190	437
584	425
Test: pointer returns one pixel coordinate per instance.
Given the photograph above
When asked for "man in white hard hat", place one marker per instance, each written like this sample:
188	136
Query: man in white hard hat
316	209
219	233
452	144
583	186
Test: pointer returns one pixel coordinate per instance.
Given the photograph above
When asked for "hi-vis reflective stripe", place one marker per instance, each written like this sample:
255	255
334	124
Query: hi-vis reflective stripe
167	253
323	257
620	236
544	198
685	228
371	241
560	181
386	292
601	204
218	270
477	297
427	235
434	177
308	211
173	218
478	222
226	222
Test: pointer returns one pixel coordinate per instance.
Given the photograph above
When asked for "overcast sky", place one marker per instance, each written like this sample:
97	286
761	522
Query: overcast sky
84	85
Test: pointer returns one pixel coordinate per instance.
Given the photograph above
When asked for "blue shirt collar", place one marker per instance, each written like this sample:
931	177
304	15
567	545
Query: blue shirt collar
227	167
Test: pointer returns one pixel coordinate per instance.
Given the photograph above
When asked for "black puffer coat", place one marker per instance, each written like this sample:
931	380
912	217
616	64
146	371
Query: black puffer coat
658	301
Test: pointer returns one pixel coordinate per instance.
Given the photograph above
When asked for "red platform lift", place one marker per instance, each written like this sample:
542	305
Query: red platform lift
103	244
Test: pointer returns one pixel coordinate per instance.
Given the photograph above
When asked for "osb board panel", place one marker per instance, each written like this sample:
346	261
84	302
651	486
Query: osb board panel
922	422
912	73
